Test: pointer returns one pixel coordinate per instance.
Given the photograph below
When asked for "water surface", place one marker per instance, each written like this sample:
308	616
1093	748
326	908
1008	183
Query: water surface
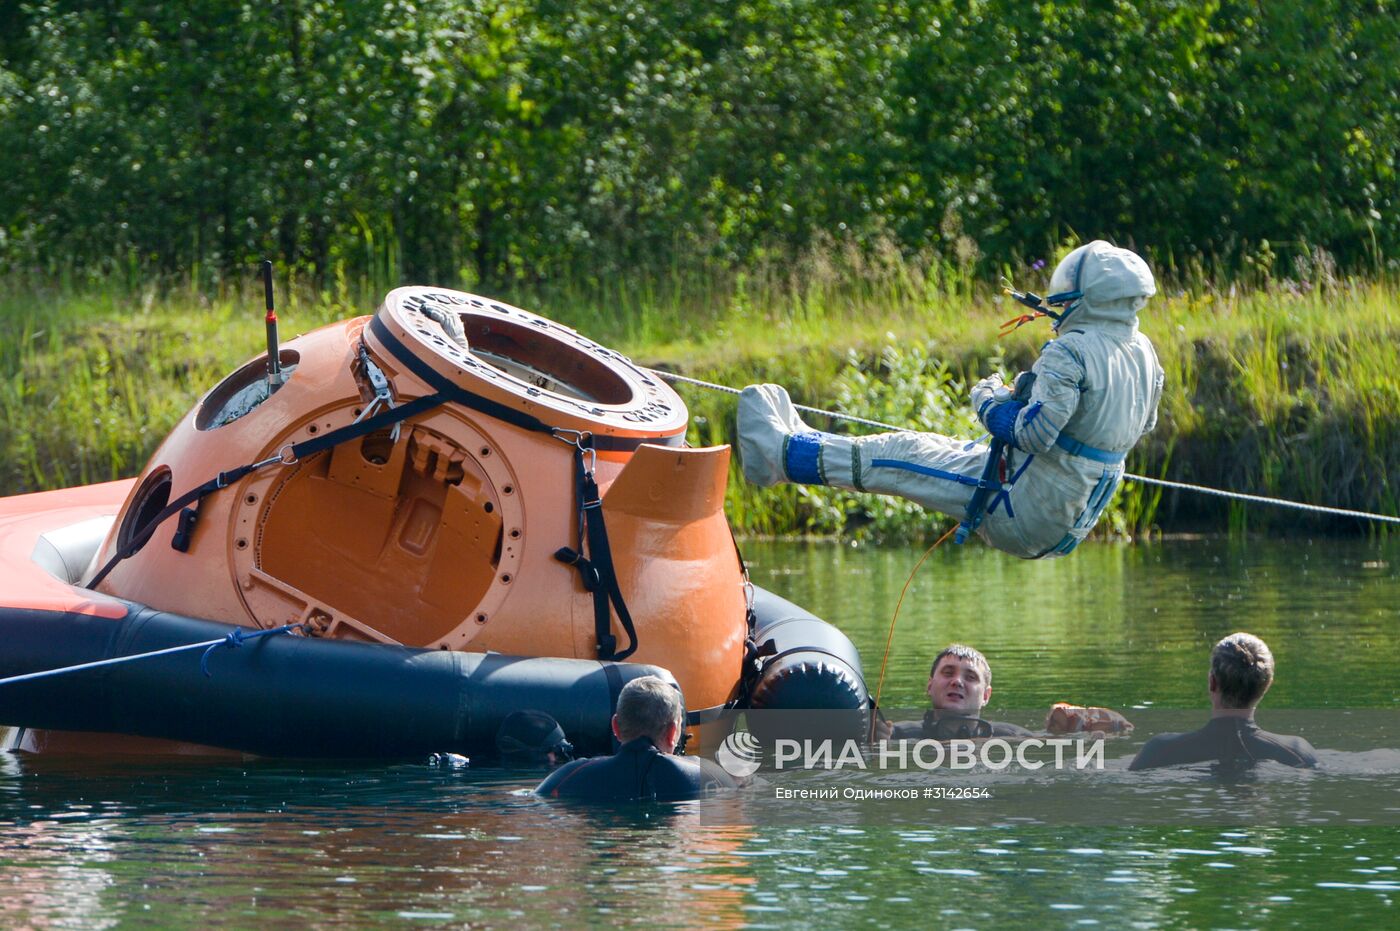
93	844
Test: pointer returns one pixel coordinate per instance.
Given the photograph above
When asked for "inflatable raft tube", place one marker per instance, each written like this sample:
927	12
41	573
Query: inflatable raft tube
806	662
300	697
292	696
809	684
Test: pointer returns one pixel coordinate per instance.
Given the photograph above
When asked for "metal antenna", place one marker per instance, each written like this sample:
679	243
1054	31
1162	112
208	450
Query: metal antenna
274	357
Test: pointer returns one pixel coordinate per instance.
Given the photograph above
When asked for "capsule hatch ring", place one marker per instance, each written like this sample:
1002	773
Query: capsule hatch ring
531	363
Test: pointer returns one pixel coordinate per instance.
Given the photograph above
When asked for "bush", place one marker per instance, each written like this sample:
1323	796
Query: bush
527	141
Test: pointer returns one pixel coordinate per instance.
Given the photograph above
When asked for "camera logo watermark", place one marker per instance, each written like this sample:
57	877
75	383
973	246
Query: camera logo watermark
740	755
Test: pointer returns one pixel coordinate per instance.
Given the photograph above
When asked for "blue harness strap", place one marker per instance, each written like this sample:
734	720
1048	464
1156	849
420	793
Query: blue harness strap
1003	495
924	470
1076	448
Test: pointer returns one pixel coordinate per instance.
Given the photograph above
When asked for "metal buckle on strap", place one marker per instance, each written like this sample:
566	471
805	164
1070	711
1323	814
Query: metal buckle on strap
383	392
572	437
287	455
578	440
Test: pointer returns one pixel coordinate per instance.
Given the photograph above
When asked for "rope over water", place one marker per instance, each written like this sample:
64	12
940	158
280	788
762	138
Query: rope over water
1128	476
232	640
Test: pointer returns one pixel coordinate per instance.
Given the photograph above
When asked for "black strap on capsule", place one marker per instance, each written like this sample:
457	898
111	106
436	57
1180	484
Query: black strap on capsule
596	569
444	391
442	384
450	391
288	455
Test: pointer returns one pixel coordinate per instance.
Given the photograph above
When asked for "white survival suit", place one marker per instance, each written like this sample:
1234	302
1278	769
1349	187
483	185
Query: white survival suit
1095	393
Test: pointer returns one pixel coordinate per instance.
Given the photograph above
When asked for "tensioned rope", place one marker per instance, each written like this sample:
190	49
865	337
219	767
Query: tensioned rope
1129	476
232	640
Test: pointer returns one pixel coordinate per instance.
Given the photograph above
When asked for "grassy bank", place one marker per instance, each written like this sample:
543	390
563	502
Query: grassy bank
1287	388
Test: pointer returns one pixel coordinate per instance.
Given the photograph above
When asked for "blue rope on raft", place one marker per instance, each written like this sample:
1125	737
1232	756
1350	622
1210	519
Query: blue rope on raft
235	639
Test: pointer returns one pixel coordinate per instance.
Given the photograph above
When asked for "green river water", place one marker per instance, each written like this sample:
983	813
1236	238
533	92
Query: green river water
161	843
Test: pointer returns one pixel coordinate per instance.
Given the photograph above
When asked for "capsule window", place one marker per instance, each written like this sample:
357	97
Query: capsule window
242	392
150	499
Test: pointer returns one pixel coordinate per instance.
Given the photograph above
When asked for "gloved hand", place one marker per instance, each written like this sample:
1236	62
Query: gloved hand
451	323
986	390
1065	718
998	404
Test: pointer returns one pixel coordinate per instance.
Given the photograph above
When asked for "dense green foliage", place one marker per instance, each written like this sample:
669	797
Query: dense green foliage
741	189
511	141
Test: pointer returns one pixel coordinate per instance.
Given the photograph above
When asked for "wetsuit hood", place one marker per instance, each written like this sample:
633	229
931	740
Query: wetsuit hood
529	737
1101	285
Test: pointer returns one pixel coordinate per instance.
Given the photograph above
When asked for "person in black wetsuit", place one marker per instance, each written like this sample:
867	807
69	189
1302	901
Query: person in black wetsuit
1241	671
648	724
527	739
959	685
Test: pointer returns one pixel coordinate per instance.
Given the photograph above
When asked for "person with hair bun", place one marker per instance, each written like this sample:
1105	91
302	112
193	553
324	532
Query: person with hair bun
1241	671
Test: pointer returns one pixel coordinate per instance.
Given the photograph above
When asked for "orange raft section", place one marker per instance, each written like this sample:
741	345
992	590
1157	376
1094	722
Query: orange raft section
24	519
443	533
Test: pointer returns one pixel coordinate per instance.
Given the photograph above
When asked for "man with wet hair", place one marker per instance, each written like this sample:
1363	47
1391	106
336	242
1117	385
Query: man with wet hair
1241	671
648	723
959	686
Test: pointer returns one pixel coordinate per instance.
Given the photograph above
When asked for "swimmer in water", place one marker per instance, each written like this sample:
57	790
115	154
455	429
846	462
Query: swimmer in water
959	687
648	723
527	739
1241	671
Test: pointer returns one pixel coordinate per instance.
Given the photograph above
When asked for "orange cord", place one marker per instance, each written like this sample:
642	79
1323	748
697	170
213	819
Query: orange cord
1015	323
889	639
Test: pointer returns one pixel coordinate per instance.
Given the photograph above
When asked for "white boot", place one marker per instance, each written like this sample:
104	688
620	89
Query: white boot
776	446
767	420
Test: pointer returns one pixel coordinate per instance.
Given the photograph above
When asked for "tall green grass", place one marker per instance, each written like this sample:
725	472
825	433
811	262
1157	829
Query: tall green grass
91	382
1284	388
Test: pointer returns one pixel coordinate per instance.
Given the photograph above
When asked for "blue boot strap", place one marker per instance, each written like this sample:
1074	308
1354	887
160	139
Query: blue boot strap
803	458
